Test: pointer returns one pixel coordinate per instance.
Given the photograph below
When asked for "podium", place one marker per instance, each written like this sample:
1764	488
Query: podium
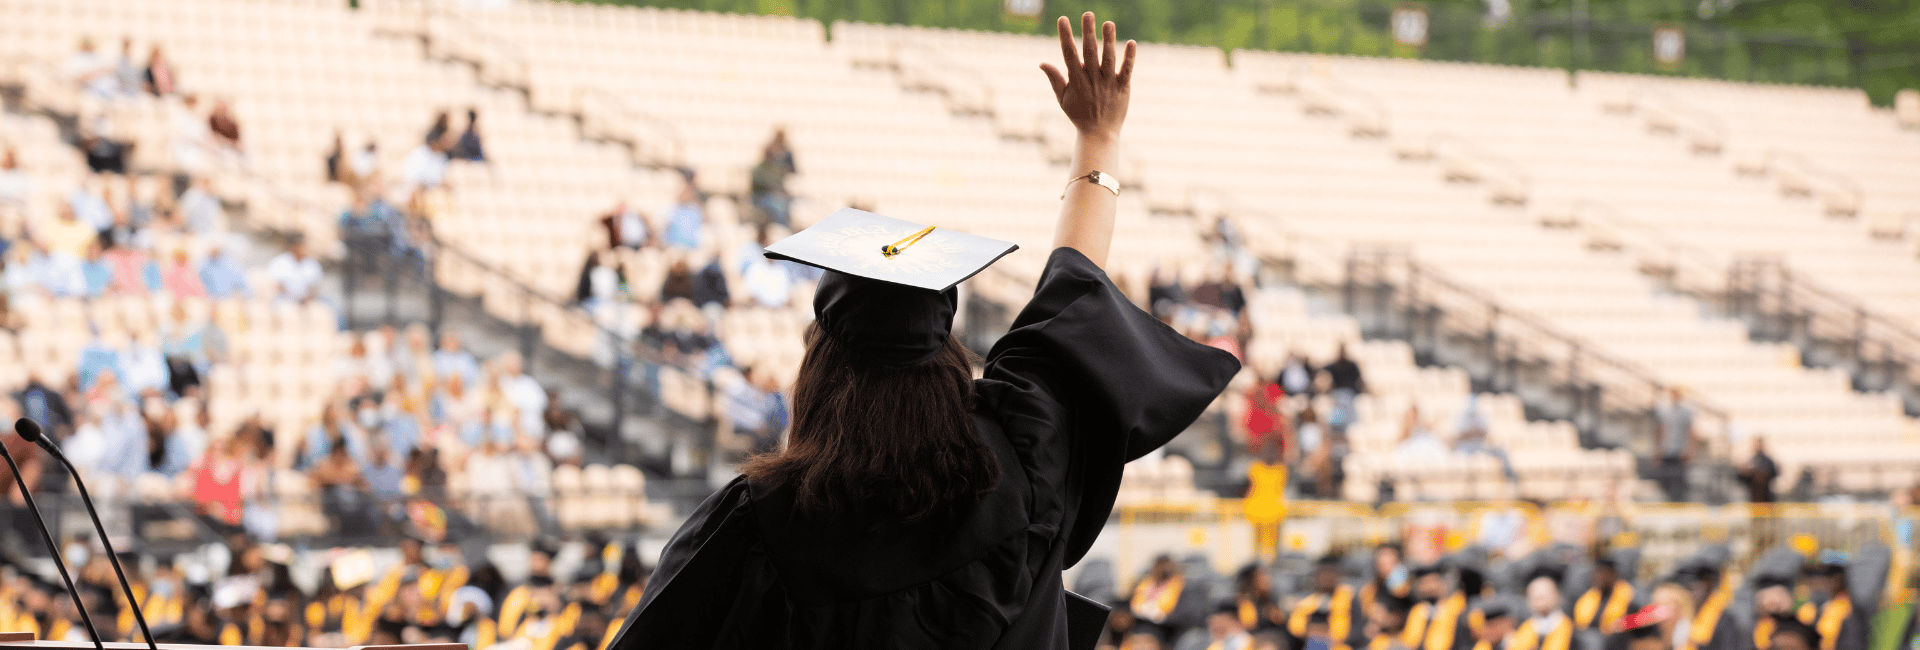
25	640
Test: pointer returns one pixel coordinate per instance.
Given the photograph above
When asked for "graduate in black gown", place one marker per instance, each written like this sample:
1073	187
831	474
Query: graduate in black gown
915	506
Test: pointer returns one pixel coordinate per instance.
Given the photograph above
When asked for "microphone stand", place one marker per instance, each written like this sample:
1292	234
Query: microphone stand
58	562
112	556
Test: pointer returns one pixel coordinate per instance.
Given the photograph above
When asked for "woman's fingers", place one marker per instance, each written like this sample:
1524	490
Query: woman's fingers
1054	77
1067	55
1109	57
1126	68
1089	48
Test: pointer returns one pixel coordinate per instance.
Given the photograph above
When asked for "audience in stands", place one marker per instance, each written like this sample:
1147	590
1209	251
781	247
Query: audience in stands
1759	473
296	276
625	228
158	78
16	186
468	147
93	72
1675	442
686	219
767	186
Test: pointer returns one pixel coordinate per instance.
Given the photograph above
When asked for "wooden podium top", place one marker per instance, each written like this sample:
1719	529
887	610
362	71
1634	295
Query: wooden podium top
26	640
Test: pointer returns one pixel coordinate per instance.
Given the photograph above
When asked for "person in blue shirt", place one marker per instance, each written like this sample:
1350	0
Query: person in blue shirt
685	219
222	277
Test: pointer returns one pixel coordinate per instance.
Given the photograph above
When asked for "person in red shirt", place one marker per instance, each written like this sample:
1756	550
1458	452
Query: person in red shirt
1265	419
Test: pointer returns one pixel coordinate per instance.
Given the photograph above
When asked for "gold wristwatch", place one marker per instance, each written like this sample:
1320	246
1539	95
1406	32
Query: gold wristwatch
1096	177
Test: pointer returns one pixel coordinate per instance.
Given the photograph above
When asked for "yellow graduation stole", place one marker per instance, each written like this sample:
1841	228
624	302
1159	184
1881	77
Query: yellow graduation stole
512	609
1832	617
1154	601
632	598
1441	625
487	635
1249	613
61	627
1339	618
1381	642
1415	633
603	587
230	635
356	622
562	626
429	584
606	640
1708	617
1526	638
1586	609
1483	645
26	623
1763	633
455	579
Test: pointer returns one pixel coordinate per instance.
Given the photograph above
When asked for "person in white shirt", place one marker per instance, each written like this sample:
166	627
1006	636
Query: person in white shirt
524	393
15	185
425	167
200	210
146	369
92	72
768	282
295	274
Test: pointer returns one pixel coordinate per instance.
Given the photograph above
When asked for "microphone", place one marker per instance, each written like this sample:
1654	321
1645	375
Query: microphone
58	561
30	430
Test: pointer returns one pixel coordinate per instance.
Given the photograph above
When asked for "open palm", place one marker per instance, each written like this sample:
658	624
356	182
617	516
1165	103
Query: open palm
1094	89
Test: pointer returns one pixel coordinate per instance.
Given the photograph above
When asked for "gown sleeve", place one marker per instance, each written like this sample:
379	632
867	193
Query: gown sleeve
694	589
1111	379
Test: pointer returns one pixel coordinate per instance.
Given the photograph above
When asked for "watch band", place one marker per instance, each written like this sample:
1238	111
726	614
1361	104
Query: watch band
1096	177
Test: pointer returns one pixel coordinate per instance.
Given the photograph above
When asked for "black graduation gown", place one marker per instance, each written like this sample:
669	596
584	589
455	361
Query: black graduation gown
1084	382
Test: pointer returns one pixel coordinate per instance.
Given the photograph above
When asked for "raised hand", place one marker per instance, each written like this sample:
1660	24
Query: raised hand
1094	90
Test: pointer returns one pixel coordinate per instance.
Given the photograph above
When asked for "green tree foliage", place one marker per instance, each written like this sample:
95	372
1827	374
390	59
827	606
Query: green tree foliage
1871	44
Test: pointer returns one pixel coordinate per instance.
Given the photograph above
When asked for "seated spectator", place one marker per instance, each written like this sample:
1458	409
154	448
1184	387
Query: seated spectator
366	163
336	158
68	235
1164	294
1296	377
296	276
192	141
686	219
710	287
225	129
92	72
342	488
468	148
625	227
452	360
756	410
201	210
768	282
222	277
189	348
159	79
437	133
678	284
601	280
132	272
1417	439
1470	437
1219	291
129	76
522	392
768	186
16	187
425	167
1266	418
90	206
146	368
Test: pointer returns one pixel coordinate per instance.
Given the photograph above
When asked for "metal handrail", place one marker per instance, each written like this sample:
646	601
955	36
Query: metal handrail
676	141
1704	120
1673	249
1855	195
1474	153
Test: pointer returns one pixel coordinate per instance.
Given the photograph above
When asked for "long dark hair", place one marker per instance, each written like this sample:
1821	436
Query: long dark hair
896	441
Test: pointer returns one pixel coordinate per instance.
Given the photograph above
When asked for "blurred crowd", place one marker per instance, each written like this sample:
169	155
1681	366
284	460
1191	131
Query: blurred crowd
403	413
1554	599
247	593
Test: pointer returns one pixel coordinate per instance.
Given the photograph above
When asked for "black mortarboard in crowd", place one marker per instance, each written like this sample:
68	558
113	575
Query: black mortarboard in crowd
1791	625
1499	607
1423	570
888	291
1396	603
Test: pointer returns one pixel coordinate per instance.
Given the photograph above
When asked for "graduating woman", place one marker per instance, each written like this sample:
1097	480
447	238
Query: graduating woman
915	506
